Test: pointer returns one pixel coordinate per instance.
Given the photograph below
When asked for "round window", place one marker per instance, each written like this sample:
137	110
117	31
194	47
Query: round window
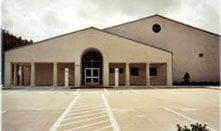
156	28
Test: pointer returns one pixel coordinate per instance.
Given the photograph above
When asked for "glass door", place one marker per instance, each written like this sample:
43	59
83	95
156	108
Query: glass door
92	76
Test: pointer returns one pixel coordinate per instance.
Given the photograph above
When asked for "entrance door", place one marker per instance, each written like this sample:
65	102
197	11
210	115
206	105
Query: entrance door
92	68
92	76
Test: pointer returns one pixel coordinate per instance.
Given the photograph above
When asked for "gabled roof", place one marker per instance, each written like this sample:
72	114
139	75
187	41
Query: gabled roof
163	18
38	42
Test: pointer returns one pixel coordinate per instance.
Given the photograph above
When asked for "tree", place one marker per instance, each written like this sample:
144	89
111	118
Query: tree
10	41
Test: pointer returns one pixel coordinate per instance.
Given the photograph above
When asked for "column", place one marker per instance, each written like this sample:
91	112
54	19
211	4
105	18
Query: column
169	74
147	74
15	74
106	73
55	71
77	75
32	74
127	74
20	74
116	77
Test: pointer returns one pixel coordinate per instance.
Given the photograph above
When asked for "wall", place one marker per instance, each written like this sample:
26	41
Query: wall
139	80
161	78
60	76
185	42
43	74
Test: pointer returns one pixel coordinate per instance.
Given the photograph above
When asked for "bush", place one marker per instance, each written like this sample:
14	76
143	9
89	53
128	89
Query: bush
194	127
186	78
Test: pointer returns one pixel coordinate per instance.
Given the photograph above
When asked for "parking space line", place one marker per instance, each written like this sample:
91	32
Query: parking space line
106	91
58	122
77	91
188	118
85	109
110	114
99	113
88	111
88	119
86	106
91	124
103	128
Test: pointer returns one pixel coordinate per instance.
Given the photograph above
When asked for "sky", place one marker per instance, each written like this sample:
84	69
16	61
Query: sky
42	19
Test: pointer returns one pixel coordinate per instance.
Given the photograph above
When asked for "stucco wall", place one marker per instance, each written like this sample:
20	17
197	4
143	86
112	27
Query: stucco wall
70	47
139	80
160	78
60	76
43	74
185	42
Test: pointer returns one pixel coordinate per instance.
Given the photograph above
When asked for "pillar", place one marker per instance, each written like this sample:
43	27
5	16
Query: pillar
106	73
116	77
20	74
147	74
55	71
169	74
32	74
15	74
127	74
77	75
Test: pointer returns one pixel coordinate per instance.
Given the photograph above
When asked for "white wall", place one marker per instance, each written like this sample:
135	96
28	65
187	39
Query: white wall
185	42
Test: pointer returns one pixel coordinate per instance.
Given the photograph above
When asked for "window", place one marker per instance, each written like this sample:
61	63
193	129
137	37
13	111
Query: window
156	28
134	71
153	71
121	70
200	54
111	70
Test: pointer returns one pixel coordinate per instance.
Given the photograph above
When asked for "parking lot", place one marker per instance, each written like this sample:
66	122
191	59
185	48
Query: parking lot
109	109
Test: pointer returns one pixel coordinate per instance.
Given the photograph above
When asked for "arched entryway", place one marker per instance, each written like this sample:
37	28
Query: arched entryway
91	67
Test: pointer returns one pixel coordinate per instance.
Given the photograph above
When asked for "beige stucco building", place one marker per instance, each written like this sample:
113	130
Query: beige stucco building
150	51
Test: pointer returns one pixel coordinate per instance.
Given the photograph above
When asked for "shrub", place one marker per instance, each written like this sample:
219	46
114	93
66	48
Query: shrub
186	77
194	127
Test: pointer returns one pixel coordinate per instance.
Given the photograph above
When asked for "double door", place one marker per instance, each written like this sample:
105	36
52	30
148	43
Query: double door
92	75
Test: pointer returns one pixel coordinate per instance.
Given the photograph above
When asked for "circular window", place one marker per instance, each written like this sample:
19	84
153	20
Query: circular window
156	28
200	54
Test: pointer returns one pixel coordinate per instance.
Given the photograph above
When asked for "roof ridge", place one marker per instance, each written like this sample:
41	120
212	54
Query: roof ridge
92	27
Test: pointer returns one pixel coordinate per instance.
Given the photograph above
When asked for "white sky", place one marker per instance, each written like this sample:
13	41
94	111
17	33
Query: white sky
41	19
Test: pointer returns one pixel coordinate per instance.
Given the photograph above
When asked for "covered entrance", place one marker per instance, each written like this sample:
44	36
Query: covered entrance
92	67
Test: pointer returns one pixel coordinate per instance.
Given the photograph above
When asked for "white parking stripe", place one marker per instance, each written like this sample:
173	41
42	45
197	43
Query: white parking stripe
105	90
88	108
88	111
110	114
91	124
103	128
71	118
58	122
77	91
88	119
188	118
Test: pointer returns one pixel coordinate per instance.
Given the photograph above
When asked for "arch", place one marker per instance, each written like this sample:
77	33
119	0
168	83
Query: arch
91	67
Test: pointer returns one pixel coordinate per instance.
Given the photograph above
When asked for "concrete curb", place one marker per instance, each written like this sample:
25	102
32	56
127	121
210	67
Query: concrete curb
115	88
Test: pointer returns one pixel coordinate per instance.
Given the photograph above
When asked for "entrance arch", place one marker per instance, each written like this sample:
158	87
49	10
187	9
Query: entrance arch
92	67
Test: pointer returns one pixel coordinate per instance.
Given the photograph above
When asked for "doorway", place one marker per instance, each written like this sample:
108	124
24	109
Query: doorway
92	68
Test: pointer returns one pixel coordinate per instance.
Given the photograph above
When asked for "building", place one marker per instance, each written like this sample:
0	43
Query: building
150	51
